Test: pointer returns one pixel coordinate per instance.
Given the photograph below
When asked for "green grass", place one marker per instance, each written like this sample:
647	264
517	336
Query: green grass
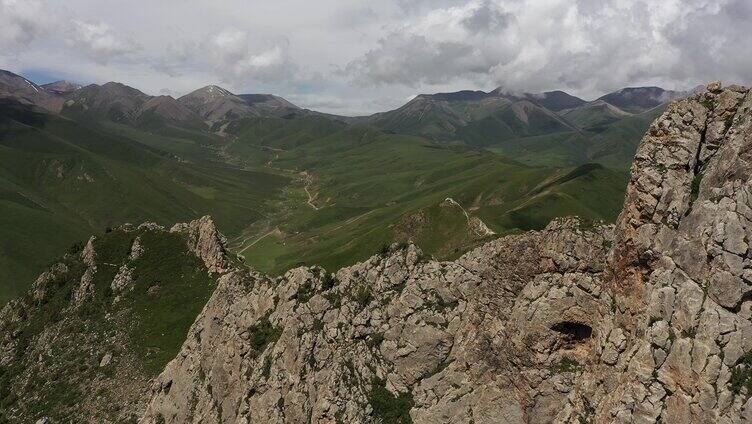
558	149
29	238
305	292
611	143
265	252
374	340
363	296
62	180
170	287
695	187
741	375
262	334
593	116
566	365
375	188
387	407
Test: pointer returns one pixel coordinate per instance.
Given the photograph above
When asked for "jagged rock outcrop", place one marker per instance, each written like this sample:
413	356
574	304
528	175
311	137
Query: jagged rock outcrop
395	337
646	321
680	273
84	343
206	242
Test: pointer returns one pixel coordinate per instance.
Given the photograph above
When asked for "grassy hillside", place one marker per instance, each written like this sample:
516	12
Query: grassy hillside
616	145
362	189
303	188
140	327
61	181
571	132
611	143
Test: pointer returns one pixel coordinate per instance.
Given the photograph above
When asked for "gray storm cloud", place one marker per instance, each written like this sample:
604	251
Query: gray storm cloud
20	24
361	56
97	40
587	46
237	58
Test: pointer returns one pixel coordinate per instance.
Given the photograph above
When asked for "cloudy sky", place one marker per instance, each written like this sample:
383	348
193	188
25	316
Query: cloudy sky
359	56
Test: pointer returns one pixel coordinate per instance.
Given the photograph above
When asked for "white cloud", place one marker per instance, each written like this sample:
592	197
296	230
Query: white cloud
98	41
237	58
21	23
587	46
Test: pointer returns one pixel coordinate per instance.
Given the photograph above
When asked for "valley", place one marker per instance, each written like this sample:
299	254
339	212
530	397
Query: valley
290	186
362	212
155	324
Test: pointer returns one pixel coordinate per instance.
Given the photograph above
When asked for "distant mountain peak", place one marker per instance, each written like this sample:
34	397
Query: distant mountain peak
18	82
634	99
556	100
640	89
211	91
501	91
269	104
17	87
463	95
216	105
61	87
120	88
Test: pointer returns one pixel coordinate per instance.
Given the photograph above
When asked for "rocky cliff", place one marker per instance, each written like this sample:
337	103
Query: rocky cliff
496	336
649	320
677	346
650	323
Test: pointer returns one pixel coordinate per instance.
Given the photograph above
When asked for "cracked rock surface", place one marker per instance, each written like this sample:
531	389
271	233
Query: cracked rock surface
648	321
470	340
679	339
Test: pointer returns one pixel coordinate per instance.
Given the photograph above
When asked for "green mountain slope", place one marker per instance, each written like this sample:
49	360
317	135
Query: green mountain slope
60	180
115	338
475	118
545	129
289	185
363	188
612	144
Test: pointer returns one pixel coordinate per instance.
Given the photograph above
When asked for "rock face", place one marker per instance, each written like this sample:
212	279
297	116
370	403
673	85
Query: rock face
680	273
649	320
395	337
206	242
651	324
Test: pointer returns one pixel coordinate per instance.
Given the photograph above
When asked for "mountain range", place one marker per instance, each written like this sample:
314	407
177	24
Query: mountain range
290	185
532	128
476	118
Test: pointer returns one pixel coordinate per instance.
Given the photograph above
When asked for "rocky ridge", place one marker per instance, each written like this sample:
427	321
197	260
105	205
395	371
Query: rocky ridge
395	337
649	320
650	323
84	343
677	346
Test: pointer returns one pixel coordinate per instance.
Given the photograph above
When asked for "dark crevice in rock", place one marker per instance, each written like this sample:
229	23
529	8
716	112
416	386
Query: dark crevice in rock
697	171
572	332
746	297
